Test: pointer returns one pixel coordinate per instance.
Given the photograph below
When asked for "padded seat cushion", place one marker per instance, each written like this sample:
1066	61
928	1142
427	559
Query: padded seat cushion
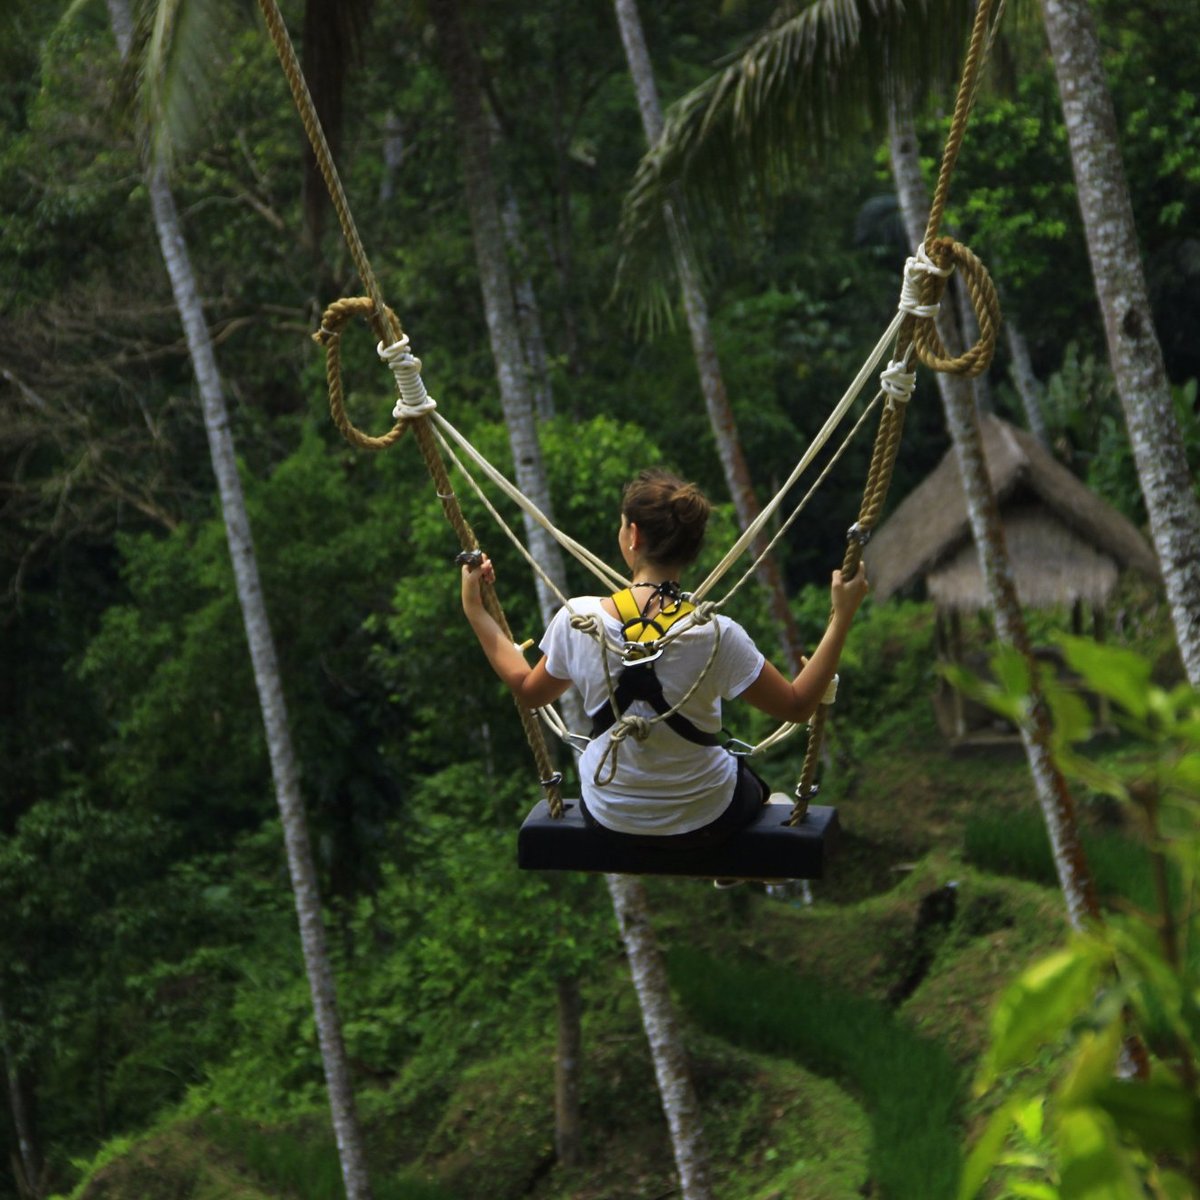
767	848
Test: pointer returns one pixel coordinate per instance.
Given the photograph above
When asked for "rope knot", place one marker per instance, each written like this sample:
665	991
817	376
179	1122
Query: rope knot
635	727
406	367
704	612
329	337
584	622
896	382
918	270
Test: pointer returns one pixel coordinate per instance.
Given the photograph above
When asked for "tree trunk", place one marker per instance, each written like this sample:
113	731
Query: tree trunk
962	420
495	282
712	384
568	1126
516	399
1133	347
284	768
27	1153
662	1031
1026	383
529	313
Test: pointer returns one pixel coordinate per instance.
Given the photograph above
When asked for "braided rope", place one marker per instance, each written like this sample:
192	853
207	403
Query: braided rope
392	341
935	259
329	336
389	331
466	538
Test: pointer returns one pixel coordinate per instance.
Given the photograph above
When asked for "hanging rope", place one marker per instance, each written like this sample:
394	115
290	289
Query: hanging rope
913	328
393	346
936	258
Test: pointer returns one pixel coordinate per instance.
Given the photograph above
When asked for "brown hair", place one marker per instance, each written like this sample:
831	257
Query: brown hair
671	515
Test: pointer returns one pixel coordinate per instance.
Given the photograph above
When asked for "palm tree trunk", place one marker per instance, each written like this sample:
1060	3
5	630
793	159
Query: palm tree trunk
516	399
962	420
712	383
27	1156
1133	347
1026	382
662	1031
529	313
568	1124
495	282
267	679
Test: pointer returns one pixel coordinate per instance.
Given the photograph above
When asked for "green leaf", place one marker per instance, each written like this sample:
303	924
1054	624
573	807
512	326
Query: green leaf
1033	1190
1040	1005
1119	674
982	1159
1093	1066
1157	1113
1092	1163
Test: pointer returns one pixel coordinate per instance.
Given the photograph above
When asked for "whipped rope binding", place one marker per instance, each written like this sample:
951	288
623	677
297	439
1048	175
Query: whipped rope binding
406	367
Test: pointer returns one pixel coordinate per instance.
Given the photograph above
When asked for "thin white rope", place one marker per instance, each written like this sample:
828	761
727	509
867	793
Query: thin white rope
613	580
824	434
786	525
538	570
406	367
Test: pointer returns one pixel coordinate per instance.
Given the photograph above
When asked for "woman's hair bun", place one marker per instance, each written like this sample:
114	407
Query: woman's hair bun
671	513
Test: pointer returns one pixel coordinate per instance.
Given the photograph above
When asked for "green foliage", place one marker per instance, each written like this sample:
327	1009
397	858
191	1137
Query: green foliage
305	1165
1123	1136
907	1082
1016	844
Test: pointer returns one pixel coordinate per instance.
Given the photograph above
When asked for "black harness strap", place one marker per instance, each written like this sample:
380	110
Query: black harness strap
639	682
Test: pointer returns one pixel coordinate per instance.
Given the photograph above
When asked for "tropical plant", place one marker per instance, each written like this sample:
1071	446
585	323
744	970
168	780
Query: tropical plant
1110	1126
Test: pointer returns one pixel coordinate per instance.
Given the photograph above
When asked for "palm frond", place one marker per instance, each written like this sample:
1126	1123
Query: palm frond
182	58
815	80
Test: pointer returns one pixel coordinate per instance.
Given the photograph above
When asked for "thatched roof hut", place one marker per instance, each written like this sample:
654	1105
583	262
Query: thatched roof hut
1066	545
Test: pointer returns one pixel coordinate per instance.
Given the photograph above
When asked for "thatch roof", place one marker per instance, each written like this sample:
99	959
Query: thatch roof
1064	542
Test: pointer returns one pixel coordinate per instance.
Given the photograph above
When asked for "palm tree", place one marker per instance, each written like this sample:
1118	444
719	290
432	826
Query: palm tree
708	366
802	83
284	769
838	60
1133	347
628	894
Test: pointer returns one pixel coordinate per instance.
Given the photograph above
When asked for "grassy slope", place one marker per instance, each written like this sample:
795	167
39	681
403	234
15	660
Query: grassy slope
776	1129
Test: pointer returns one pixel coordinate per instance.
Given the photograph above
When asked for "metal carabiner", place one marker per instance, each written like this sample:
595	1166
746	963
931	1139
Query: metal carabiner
642	658
745	751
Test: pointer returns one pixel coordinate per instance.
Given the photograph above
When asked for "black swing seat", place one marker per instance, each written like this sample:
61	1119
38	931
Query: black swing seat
767	848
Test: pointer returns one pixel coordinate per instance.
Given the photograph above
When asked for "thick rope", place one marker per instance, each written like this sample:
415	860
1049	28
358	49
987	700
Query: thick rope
915	327
550	779
391	338
329	336
935	259
388	331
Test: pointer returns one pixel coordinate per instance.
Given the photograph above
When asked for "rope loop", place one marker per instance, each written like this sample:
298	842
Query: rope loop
329	337
406	367
985	303
626	726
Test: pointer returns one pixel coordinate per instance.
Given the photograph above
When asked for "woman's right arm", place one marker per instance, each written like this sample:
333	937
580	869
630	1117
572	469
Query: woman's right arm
797	700
534	686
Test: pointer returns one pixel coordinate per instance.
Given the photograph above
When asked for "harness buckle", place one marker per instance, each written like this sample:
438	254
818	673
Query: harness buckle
637	655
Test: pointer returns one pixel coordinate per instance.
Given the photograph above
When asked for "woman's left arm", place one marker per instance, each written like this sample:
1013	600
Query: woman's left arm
533	686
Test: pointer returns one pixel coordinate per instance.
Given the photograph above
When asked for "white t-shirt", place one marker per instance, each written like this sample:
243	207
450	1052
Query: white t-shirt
665	784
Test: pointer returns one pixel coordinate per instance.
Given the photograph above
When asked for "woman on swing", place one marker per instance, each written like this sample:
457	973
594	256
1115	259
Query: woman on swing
669	791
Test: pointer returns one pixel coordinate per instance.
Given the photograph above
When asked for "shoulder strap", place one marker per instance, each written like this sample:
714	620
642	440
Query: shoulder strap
637	628
641	683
